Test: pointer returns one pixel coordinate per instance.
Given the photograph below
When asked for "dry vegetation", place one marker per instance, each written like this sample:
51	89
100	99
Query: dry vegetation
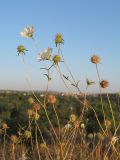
70	141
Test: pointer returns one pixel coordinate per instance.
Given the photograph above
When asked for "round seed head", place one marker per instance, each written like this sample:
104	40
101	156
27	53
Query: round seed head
52	99
36	106
30	100
58	39
13	138
73	118
95	59
104	84
27	134
5	126
56	59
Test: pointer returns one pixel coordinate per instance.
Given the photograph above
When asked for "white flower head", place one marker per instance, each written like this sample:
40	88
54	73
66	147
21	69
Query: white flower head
45	54
28	32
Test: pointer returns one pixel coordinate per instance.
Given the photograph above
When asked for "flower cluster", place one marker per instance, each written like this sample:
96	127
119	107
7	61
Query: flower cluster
28	32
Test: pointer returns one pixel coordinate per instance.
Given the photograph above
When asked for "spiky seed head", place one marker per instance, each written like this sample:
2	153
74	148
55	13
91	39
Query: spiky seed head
56	59
104	84
76	124
73	118
36	116
59	39
21	49
100	136
14	138
27	134
95	59
52	99
43	146
5	126
36	106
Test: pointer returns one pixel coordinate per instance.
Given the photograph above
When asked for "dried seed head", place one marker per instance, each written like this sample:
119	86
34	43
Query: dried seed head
27	134
107	123
36	106
43	146
52	99
4	126
36	116
13	138
100	136
86	104
30	100
76	124
30	113
104	84
73	118
95	59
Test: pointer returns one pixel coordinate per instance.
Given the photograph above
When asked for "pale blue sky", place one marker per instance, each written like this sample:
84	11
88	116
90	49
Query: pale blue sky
88	27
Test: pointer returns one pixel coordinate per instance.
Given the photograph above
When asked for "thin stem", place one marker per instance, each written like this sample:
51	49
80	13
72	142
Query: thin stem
57	120
4	145
60	51
111	111
31	139
36	138
101	99
43	140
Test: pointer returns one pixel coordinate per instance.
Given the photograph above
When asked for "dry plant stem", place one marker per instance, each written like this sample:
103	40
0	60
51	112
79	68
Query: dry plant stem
57	120
85	99
36	139
44	106
73	136
98	120
95	116
73	147
92	154
36	43
81	137
51	124
111	111
28	81
101	99
4	145
54	143
68	139
64	132
13	151
60	51
44	140
31	139
111	140
58	70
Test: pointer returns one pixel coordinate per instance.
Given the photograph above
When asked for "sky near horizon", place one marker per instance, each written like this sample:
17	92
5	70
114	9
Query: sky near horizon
88	27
